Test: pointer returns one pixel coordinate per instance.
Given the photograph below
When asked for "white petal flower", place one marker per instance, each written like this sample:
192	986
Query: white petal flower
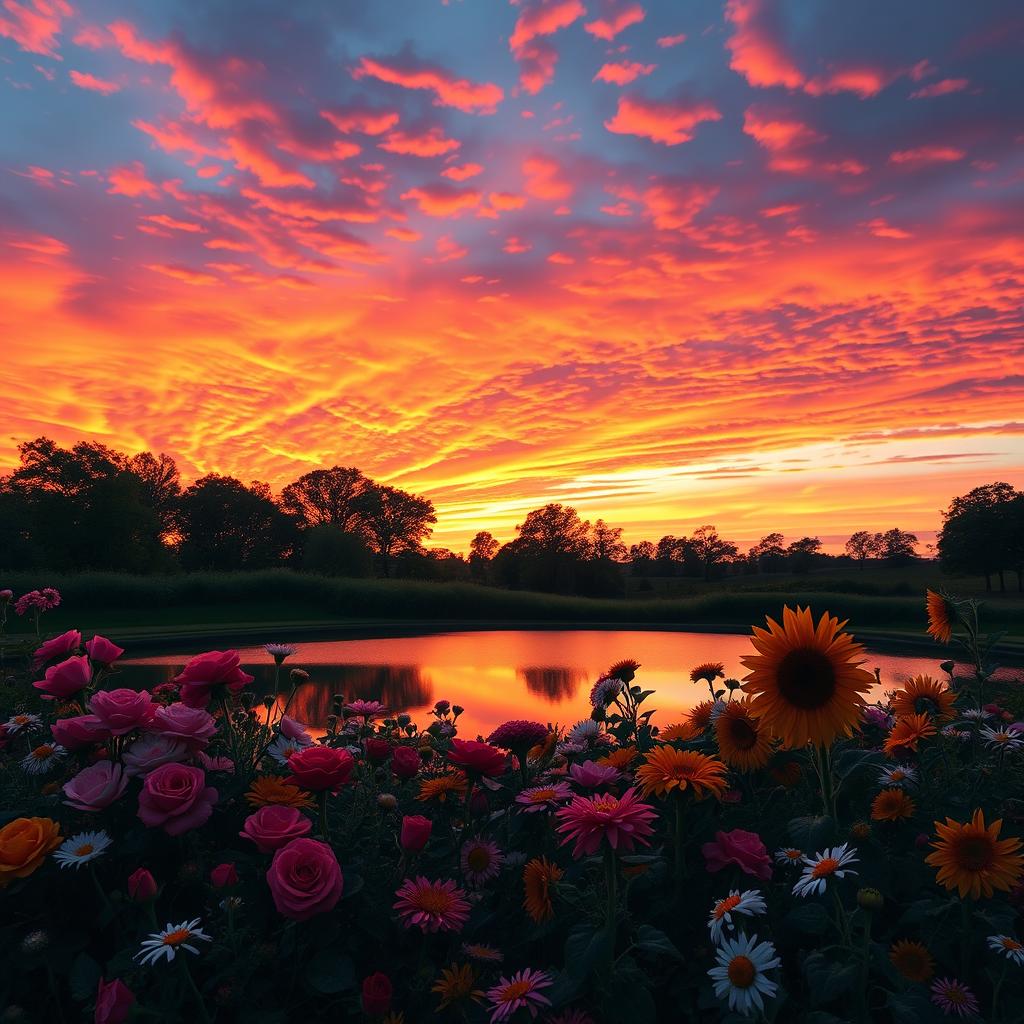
749	903
739	973
43	758
81	849
823	866
167	943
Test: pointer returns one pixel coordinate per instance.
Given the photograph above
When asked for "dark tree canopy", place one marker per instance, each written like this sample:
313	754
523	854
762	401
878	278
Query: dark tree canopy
335	496
981	532
396	521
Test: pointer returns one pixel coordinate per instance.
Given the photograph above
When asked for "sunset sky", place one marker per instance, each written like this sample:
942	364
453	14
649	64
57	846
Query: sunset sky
753	263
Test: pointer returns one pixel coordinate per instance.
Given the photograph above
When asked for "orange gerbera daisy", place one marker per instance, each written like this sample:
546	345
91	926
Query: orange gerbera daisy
665	769
455	984
907	733
892	805
699	717
539	875
942	616
927	696
912	960
442	787
708	671
621	758
272	789
972	859
804	680
743	742
680	731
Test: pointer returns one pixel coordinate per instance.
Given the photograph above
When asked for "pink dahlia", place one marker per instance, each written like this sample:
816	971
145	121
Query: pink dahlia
954	998
432	906
518	735
520	991
739	847
474	756
623	821
591	775
365	708
541	798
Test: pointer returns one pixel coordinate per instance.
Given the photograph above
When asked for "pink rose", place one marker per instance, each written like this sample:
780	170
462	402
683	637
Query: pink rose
744	849
123	711
66	679
207	671
176	797
79	731
294	730
223	876
194	726
405	762
415	832
305	879
377	750
148	752
274	826
141	885
96	787
59	647
320	768
114	1000
102	651
477	758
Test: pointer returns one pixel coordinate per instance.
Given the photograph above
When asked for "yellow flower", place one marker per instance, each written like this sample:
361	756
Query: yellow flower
455	984
973	859
272	789
924	695
443	786
665	769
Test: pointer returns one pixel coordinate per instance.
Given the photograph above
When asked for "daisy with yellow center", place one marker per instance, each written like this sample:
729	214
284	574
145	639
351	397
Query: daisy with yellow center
743	742
892	805
823	866
748	903
539	878
789	855
942	616
455	985
912	960
972	859
443	787
167	943
666	769
804	680
1009	947
16	723
272	790
81	849
923	695
43	758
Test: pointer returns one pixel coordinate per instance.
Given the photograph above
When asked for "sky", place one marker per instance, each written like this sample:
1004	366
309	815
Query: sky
752	263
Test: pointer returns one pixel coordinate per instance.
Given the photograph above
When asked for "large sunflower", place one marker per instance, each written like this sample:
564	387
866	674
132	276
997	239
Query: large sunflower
743	742
912	960
804	680
539	877
923	695
665	768
942	616
972	859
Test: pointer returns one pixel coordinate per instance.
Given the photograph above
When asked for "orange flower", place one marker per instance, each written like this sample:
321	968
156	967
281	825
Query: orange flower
24	844
443	786
679	732
973	859
272	789
455	984
892	805
621	758
942	616
743	742
708	671
666	769
699	717
907	733
804	680
539	875
912	960
924	695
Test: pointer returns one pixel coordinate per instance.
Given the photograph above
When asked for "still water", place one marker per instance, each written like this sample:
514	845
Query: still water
537	674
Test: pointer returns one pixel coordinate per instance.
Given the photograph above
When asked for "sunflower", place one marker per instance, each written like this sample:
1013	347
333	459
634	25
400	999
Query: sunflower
621	758
270	790
708	671
699	717
972	859
907	733
892	805
456	984
539	875
924	695
678	732
912	960
665	769
742	742
942	616
442	787
804	680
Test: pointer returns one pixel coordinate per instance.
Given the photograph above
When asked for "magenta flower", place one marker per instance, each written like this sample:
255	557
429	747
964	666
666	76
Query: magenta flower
96	787
622	821
65	679
520	991
59	647
744	849
954	998
123	711
79	731
541	798
432	906
481	861
175	797
208	672
518	735
591	775
365	708
193	726
102	651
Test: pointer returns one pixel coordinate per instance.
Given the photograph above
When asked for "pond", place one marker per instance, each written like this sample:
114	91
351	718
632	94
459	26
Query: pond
543	675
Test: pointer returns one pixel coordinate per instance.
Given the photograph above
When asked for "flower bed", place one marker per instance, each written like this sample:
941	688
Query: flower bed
783	851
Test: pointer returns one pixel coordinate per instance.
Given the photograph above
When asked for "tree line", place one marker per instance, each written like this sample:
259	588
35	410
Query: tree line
91	507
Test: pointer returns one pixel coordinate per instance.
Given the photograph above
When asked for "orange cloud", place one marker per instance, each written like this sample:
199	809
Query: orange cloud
536	58
941	88
448	90
927	155
880	228
34	24
462	172
425	143
666	122
667	41
546	179
608	28
623	72
506	201
86	81
443	200
131	180
755	54
366	122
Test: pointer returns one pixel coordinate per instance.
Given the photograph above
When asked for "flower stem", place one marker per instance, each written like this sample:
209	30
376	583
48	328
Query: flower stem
610	872
200	1002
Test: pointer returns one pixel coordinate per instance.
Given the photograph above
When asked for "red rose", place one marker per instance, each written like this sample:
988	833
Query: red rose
102	651
377	994
405	762
320	768
141	885
378	750
275	826
114	1000
305	879
123	711
79	731
415	832
223	875
207	671
744	849
176	797
481	758
66	679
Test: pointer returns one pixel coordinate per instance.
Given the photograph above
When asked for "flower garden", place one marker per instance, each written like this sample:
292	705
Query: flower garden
784	851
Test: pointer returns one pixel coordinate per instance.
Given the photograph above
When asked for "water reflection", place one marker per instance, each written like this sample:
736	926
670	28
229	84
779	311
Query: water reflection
554	684
396	686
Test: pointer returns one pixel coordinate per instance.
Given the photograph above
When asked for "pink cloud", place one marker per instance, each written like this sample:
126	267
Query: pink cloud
86	81
672	205
424	144
561	258
609	27
863	81
880	228
250	153
515	245
35	24
537	63
927	155
536	58
182	273
666	122
623	72
164	221
443	200
366	122
755	54
131	181
449	90
462	172
778	132
546	179
404	234
667	41
210	171
941	88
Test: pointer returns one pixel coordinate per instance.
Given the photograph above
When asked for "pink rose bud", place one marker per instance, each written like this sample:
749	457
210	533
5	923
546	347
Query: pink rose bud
224	875
114	1002
6	596
102	651
59	647
415	832
377	992
141	885
405	762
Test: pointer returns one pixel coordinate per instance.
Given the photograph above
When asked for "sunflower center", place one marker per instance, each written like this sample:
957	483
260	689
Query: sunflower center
806	678
743	734
925	706
742	972
826	866
479	859
724	906
974	853
177	937
84	850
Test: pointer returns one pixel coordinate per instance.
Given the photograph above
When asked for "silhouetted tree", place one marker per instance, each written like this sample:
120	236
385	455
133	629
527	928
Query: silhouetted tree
330	551
482	549
641	558
552	542
897	546
977	532
767	554
337	496
606	543
711	549
863	545
161	485
801	554
396	521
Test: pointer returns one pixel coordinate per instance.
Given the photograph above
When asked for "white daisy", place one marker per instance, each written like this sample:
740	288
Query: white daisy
953	733
976	714
823	866
16	723
789	855
1013	949
584	731
81	849
899	775
44	757
749	902
282	748
166	943
1007	738
604	691
740	972
716	709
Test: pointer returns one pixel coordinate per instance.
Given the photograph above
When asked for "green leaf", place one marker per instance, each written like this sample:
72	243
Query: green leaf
84	977
828	980
850	761
910	1007
808	917
330	972
585	949
653	940
812	832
